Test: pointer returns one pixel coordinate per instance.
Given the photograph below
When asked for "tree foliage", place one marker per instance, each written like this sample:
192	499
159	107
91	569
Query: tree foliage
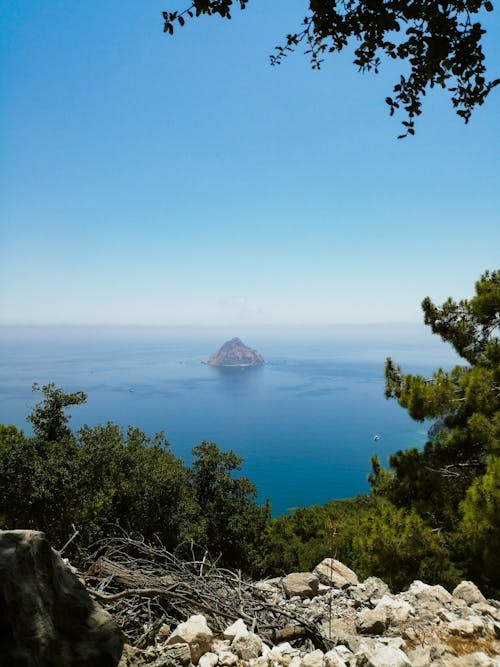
456	472
232	521
102	476
438	44
399	546
48	418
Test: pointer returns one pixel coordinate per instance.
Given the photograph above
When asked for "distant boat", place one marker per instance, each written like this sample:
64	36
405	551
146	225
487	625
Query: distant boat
376	438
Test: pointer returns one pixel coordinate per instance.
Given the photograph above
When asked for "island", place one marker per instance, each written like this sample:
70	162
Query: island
235	353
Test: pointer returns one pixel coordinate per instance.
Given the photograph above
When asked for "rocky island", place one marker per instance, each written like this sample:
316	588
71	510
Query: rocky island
235	353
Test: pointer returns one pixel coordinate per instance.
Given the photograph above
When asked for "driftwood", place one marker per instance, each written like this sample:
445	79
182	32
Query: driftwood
145	586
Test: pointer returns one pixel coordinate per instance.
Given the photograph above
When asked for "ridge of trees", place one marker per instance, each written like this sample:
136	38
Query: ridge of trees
439	44
434	515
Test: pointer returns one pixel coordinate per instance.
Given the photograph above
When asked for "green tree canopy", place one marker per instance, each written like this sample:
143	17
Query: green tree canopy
48	417
232	522
455	473
438	44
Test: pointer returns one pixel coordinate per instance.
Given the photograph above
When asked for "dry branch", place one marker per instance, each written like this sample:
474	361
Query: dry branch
145	586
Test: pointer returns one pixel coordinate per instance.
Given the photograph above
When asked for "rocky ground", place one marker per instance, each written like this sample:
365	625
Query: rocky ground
325	618
362	625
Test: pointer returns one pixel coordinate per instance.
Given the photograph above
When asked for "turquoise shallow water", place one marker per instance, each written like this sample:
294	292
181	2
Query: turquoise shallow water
304	423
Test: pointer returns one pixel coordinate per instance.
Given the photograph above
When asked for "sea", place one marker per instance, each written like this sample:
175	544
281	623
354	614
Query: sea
306	423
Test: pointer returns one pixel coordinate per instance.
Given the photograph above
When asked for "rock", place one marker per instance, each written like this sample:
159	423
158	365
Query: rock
396	611
47	616
478	659
283	654
383	656
163	632
194	632
486	610
467	627
261	661
372	621
334	659
235	353
446	616
420	656
468	592
177	655
227	658
302	584
237	628
463	628
375	589
332	572
208	660
247	646
313	659
429	595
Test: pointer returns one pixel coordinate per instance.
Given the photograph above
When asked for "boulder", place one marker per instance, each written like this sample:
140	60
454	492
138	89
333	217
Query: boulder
332	572
194	632
396	611
301	584
334	659
372	621
283	654
374	589
47	616
430	598
237	628
247	646
227	658
467	627
468	592
383	656
313	659
208	660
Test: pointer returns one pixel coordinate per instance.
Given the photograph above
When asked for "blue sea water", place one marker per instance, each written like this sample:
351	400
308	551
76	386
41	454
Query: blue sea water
304	423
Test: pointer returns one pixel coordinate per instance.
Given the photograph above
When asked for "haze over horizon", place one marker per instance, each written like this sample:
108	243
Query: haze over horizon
151	180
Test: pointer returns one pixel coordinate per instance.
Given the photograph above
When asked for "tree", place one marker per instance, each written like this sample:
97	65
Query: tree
233	522
48	417
440	43
481	525
455	473
399	547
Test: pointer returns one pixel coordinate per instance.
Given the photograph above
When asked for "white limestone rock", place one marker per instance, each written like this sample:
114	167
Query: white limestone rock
486	609
420	656
301	584
237	628
313	659
208	660
396	610
465	627
261	661
372	621
194	632
283	654
477	659
334	659
227	658
383	656
426	594
247	646
332	572
369	592
468	592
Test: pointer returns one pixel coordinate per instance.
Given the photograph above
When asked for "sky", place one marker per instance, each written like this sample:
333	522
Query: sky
156	180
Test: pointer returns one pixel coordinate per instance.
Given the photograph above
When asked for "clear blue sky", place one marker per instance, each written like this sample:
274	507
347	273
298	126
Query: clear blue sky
146	179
